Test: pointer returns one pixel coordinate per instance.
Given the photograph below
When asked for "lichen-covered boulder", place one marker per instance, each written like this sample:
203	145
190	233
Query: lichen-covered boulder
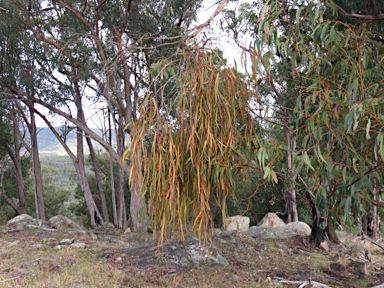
25	221
272	220
237	223
61	222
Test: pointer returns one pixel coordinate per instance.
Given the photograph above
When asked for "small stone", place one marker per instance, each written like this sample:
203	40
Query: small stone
77	245
119	259
324	246
60	246
67	241
37	246
128	231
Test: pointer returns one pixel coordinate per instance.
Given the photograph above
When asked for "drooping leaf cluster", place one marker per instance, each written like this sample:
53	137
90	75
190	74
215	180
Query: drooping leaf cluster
189	157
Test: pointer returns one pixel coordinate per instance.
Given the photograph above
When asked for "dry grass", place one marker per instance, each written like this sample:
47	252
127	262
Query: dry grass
22	265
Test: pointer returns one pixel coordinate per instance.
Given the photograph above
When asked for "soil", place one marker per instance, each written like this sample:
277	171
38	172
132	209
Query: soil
256	263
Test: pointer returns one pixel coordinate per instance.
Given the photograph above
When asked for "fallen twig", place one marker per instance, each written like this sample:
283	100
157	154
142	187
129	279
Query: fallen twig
363	237
304	283
9	231
13	278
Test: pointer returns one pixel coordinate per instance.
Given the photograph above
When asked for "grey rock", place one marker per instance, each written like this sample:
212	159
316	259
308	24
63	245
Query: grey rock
20	218
25	221
109	225
301	228
237	223
271	233
131	236
77	245
61	222
37	246
271	219
216	231
77	232
67	241
122	243
60	246
181	256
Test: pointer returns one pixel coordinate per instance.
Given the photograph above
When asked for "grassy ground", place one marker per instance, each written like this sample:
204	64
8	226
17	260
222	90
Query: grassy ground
102	264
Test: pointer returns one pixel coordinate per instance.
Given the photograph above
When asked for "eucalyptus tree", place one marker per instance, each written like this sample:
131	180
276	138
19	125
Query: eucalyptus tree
17	71
337	68
106	47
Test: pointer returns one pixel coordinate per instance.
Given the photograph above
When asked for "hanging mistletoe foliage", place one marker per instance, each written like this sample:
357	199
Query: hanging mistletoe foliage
191	147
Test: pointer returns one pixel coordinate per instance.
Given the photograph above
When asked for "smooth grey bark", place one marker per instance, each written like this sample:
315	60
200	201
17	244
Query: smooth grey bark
36	166
95	216
119	131
99	182
292	215
113	192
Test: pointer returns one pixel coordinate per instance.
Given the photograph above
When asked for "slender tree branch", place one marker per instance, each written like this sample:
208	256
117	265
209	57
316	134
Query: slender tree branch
360	16
201	27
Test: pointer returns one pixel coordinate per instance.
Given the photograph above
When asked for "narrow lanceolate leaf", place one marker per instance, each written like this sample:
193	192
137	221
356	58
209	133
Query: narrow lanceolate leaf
347	206
367	129
306	160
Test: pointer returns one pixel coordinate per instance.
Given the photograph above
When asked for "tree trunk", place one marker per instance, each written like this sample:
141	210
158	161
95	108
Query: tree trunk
18	165
139	211
36	167
95	216
119	130
112	178
292	215
99	183
115	220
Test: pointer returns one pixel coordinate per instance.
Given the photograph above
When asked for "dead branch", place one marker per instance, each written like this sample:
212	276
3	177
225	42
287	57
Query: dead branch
201	27
13	278
304	283
360	16
364	237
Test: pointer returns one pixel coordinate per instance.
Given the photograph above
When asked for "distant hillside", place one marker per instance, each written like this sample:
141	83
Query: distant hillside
50	146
